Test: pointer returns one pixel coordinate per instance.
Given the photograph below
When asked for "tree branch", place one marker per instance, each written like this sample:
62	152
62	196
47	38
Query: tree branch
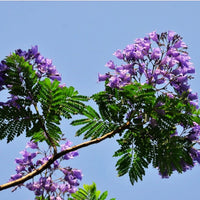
60	154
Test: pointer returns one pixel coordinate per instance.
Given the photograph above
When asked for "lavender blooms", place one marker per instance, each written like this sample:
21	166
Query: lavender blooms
158	59
3	68
43	65
43	68
194	133
46	185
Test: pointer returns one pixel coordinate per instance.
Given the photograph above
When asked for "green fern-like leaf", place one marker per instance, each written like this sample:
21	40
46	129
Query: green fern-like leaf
14	121
123	164
54	132
103	195
89	192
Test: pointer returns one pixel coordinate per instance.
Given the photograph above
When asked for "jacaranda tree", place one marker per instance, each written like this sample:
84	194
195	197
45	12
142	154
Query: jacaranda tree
147	102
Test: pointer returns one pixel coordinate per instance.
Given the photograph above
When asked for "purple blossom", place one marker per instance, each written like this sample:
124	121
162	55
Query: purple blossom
64	187
160	81
15	177
141	68
153	36
20	52
71	180
33	52
191	70
123	74
128	51
118	54
42	160
195	104
184	59
20	168
27	155
165	60
3	67
171	35
143	44
73	189
156	53
30	186
173	52
170	95
48	62
55	77
138	54
56	164
110	64
149	76
52	70
195	154
176	71
193	96
172	62
103	77
77	173
114	82
62	85
31	144
182	79
59	198
180	44
66	145
118	69
42	68
70	155
40	59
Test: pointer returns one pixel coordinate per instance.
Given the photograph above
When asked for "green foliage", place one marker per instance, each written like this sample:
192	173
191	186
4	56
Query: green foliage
21	77
44	96
89	192
57	102
153	120
42	198
94	125
13	122
149	138
113	105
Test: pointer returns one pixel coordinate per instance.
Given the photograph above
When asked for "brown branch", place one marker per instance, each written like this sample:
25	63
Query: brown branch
60	154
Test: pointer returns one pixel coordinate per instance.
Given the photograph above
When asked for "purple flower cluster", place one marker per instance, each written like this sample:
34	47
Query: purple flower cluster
43	68
45	185
194	133
3	69
158	59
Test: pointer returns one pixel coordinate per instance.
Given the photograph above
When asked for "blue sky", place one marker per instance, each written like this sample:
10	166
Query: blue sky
80	37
